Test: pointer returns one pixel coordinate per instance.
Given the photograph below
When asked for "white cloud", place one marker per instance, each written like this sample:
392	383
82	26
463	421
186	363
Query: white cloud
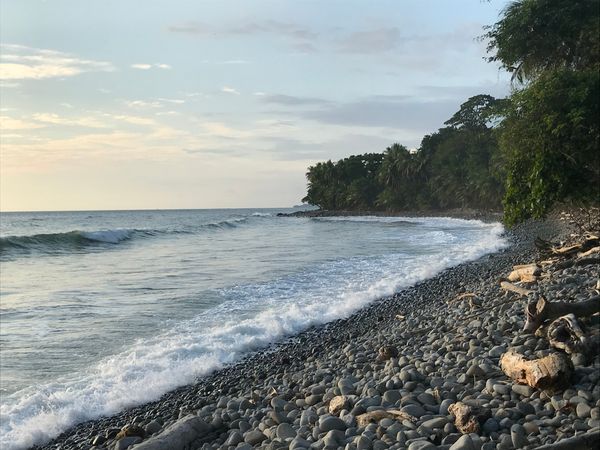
135	120
229	90
10	123
18	62
142	104
55	119
145	66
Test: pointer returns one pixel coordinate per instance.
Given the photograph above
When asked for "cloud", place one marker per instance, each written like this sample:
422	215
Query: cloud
18	62
144	66
10	123
143	104
229	90
378	40
302	38
386	111
55	119
290	149
290	100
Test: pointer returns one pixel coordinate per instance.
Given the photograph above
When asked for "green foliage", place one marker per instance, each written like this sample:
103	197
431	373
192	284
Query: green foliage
453	168
536	36
538	147
551	141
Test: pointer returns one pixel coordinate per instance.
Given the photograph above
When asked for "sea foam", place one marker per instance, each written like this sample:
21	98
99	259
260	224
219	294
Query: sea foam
264	313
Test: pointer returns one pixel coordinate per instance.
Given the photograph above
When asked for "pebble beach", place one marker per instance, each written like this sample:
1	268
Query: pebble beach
406	359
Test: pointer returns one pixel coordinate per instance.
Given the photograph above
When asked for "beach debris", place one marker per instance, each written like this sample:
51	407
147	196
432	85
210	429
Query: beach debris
567	334
387	352
400	317
337	404
461	297
510	287
526	273
131	430
365	419
541	310
551	372
468	419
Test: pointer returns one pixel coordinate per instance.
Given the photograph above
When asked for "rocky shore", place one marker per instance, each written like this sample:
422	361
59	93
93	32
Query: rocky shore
390	375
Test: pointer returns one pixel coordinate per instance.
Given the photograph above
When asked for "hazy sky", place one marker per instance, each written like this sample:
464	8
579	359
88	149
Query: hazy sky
123	104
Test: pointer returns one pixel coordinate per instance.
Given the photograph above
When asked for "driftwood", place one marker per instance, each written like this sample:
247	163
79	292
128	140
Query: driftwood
566	334
365	419
526	273
550	372
540	311
468	419
591	251
569	250
576	263
587	441
514	288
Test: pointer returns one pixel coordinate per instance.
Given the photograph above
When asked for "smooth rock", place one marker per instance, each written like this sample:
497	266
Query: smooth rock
438	422
127	442
285	431
177	436
421	445
331	423
254	437
523	390
463	443
518	435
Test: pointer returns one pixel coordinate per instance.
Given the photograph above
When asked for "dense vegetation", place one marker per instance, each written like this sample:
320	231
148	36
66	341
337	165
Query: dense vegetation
526	152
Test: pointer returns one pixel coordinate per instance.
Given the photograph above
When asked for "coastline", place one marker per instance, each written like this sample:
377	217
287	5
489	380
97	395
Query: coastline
462	213
297	377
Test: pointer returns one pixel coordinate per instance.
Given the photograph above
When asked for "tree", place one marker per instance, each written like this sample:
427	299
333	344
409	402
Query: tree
551	141
478	112
536	36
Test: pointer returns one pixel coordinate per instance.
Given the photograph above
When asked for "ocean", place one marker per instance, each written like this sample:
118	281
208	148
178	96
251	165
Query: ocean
100	311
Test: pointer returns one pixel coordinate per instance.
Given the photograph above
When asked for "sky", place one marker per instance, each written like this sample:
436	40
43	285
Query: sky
142	104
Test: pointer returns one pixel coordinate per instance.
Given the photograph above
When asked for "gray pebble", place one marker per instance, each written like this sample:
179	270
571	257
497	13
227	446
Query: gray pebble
518	435
463	443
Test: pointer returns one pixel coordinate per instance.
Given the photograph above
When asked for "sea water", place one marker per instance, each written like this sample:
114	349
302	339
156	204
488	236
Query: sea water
100	311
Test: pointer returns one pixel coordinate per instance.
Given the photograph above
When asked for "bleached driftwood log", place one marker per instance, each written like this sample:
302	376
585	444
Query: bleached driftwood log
540	311
550	372
566	334
514	288
525	272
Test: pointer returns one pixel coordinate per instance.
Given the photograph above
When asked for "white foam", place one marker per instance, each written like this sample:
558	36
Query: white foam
264	313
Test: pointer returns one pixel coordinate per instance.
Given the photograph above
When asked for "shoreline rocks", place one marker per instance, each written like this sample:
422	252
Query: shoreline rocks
334	387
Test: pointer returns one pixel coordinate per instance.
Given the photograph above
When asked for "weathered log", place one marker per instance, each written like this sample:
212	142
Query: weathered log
565	334
576	263
468	419
591	251
540	311
550	372
525	272
587	441
461	297
514	288
365	419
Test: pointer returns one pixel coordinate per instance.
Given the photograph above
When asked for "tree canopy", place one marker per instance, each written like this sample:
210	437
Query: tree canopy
526	152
